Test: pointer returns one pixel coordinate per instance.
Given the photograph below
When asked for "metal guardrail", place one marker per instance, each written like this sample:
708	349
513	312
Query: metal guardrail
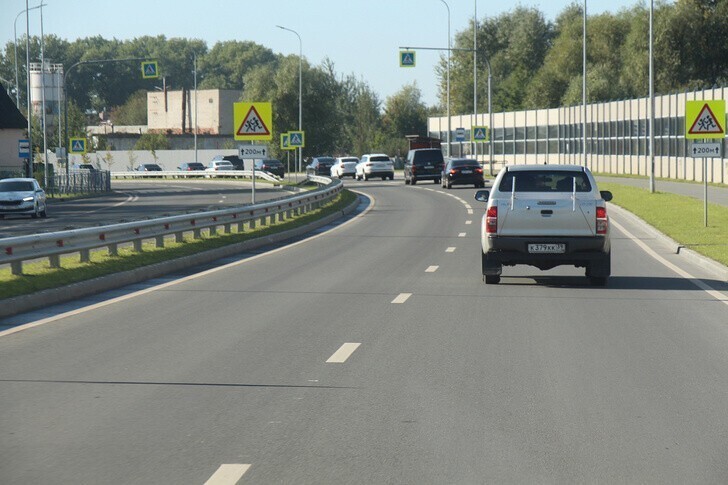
197	174
16	250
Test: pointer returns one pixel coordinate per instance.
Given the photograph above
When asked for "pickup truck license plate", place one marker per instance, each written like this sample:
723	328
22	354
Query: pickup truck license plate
547	248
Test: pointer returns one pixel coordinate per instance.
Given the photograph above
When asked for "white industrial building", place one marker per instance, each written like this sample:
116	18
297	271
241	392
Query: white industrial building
617	137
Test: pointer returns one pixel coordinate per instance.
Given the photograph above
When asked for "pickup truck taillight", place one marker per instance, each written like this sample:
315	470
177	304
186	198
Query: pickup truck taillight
491	220
602	223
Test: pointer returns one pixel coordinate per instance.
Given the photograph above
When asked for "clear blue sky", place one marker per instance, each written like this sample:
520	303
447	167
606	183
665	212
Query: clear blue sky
360	36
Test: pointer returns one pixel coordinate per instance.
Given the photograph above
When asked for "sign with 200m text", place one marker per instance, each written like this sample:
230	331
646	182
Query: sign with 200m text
253	151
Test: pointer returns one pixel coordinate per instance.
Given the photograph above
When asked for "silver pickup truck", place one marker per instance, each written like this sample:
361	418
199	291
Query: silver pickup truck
545	216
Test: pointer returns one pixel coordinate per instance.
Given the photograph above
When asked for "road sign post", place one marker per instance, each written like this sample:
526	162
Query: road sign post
705	120
253	121
24	149
77	145
150	70
406	59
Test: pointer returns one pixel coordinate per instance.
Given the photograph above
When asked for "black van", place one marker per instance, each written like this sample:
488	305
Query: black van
423	164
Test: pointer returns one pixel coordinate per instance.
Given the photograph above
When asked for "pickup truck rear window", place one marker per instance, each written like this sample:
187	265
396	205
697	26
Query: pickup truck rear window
545	181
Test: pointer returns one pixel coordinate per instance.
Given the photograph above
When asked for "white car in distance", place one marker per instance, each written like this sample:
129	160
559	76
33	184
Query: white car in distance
375	165
344	167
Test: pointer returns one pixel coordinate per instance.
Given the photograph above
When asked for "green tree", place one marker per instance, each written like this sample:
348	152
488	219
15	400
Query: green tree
133	111
152	142
227	63
404	114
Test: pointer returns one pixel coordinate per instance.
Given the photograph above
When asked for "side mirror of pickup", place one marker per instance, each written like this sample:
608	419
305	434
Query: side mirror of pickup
483	195
606	195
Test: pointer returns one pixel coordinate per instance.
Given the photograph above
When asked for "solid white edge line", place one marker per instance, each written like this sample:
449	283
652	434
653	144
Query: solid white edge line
431	269
402	297
344	352
228	474
697	282
162	286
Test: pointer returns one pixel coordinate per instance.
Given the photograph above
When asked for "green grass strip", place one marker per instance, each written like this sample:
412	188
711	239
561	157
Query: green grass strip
679	217
40	276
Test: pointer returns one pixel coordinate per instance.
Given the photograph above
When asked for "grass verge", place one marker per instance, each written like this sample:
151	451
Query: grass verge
40	276
679	217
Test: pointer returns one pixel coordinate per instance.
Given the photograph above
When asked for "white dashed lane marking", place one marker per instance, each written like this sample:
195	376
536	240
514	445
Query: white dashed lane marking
467	223
431	269
462	234
402	297
451	249
343	353
228	474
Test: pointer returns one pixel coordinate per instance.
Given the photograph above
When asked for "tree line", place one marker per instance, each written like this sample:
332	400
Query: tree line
538	64
535	64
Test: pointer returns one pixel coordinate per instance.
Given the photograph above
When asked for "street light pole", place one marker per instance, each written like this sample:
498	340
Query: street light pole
15	45
475	79
448	76
194	62
43	98
29	168
652	110
300	88
583	88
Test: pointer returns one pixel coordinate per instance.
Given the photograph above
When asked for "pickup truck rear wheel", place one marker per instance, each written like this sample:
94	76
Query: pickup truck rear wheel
491	269
599	271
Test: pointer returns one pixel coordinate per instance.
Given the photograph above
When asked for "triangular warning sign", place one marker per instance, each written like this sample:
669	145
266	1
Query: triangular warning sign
252	124
706	123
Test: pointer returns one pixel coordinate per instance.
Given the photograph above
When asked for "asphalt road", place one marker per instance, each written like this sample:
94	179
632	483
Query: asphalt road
373	353
139	199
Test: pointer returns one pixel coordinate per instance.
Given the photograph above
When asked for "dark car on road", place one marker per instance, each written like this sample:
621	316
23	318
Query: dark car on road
320	166
191	167
150	167
271	165
462	171
423	164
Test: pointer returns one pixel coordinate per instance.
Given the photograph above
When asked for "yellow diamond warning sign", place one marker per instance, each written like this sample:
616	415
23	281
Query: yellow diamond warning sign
253	121
704	119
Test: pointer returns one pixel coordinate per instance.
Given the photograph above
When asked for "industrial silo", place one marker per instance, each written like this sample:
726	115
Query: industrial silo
50	78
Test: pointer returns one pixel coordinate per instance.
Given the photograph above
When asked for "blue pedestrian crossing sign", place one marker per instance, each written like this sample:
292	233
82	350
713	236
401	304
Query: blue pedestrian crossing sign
296	139
286	142
150	70
480	133
77	145
406	59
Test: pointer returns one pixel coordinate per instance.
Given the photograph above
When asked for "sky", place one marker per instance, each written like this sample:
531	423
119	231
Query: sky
361	37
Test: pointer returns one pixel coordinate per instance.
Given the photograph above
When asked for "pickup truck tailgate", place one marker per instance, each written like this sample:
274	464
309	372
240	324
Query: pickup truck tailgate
532	215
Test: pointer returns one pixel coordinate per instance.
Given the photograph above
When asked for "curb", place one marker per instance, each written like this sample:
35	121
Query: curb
41	299
703	261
